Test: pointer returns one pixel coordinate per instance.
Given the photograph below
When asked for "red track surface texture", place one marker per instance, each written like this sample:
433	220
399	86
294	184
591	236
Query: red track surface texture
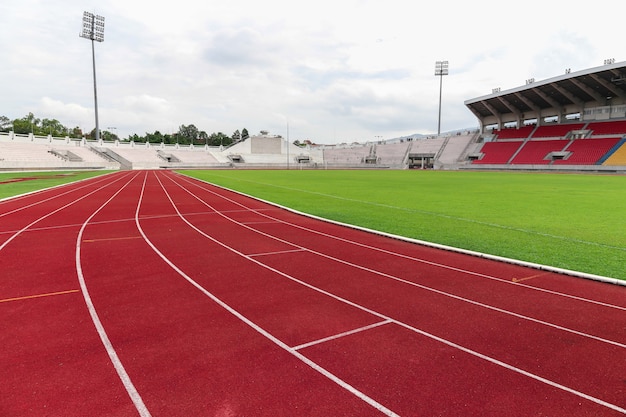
148	293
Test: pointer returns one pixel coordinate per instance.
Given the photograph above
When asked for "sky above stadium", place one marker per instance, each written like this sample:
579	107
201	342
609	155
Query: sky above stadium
328	71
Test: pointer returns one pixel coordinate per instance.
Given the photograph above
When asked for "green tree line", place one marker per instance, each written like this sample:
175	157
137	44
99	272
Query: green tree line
186	135
36	126
190	134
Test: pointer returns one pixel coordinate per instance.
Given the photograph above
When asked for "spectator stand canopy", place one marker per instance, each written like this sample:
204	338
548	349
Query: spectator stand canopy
593	94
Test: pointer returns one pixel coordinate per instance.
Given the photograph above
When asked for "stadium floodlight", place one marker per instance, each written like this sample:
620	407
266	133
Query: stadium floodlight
93	29
441	69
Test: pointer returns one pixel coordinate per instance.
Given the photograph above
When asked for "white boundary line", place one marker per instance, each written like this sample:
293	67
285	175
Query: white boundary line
134	395
115	360
32	193
23	229
411	283
409	327
532	265
421	260
249	322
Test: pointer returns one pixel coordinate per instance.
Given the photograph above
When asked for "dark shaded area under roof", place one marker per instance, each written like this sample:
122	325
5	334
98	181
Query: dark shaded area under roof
593	94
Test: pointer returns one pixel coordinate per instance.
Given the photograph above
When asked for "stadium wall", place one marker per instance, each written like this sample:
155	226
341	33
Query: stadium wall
452	152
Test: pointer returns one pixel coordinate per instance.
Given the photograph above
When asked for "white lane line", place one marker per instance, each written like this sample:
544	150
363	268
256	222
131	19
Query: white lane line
23	229
515	369
409	327
449	267
446	216
340	335
414	284
115	360
197	183
362	396
35	193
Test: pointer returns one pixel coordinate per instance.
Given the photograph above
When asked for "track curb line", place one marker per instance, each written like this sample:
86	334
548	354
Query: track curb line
562	271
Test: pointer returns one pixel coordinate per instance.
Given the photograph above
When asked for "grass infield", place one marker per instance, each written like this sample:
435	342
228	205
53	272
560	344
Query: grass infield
572	221
16	183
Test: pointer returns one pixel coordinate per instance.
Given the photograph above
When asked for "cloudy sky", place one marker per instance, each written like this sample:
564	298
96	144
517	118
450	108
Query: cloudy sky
326	70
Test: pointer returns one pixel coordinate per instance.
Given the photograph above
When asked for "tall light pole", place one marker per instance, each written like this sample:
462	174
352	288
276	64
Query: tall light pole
93	28
441	69
287	144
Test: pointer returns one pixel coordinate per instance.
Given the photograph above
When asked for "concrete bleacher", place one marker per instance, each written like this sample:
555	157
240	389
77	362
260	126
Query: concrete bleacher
428	145
139	158
27	152
201	157
398	154
264	159
454	149
588	148
348	155
84	153
392	154
27	155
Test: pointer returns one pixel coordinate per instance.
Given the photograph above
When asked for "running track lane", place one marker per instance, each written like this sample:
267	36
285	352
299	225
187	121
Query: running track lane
52	362
216	304
402	304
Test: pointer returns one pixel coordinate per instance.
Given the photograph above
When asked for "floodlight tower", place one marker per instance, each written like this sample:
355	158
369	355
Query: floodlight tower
93	28
441	69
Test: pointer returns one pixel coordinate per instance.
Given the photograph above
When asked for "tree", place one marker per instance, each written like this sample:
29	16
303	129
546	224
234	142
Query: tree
108	136
136	138
167	138
203	137
187	134
156	137
76	132
27	124
53	127
5	124
217	139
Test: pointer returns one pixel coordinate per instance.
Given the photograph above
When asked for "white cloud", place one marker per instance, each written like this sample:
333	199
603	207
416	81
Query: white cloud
70	114
336	71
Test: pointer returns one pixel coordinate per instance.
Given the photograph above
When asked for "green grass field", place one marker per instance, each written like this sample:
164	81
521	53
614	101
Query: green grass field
572	221
16	183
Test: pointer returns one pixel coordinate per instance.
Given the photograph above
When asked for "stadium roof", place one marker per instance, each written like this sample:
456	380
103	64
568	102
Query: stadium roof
569	94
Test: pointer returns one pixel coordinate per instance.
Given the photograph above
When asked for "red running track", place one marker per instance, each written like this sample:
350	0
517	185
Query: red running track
149	293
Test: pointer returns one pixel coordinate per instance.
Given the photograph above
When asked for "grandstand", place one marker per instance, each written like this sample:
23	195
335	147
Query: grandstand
576	121
19	153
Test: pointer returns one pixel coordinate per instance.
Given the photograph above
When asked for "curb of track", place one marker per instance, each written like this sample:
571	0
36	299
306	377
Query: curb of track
54	186
533	265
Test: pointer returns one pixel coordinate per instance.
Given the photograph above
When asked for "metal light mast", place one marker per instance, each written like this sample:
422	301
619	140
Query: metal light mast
93	28
441	69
